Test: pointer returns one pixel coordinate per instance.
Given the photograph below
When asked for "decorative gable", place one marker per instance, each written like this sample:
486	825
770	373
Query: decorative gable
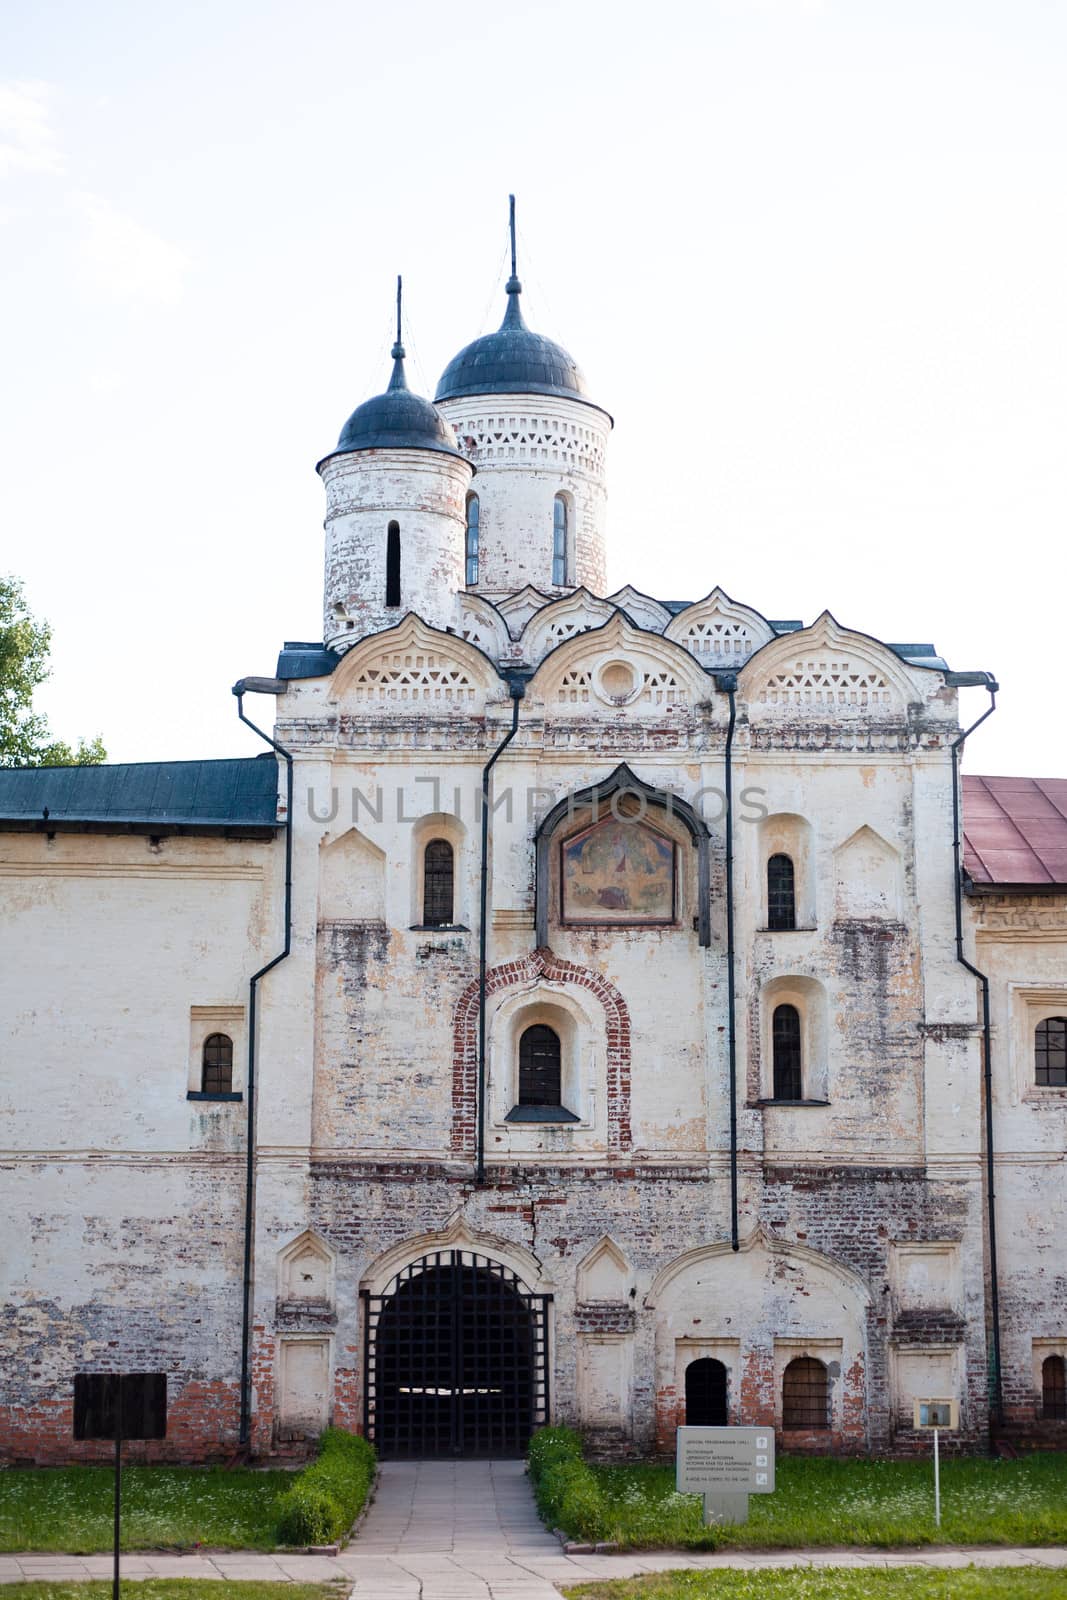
604	1275
827	671
641	609
619	667
305	1271
720	633
414	666
519	607
574	613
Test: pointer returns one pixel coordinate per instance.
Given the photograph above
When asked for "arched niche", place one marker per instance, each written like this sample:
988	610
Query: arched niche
351	879
604	1276
808	997
441	825
788	834
625	800
306	1271
868	878
580	1031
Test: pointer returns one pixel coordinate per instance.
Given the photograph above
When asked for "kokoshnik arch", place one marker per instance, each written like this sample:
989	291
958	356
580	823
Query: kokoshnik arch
615	1109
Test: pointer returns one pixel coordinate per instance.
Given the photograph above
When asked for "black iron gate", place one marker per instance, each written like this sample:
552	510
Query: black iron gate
455	1359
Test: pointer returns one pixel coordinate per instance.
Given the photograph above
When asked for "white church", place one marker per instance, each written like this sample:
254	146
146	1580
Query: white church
588	1007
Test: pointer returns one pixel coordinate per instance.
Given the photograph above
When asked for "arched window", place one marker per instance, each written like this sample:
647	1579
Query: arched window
1054	1389
705	1394
805	1395
781	893
539	1067
392	565
1050	1053
474	517
559	540
217	1064
438	884
785	1043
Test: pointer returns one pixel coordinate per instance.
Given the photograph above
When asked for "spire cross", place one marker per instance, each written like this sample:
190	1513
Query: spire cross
398	348
511	228
513	316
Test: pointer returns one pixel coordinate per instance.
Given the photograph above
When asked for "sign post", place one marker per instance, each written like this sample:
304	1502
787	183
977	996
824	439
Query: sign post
725	1465
936	1414
120	1405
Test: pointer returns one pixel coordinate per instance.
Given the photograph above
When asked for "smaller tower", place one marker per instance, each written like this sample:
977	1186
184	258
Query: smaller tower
520	409
396	491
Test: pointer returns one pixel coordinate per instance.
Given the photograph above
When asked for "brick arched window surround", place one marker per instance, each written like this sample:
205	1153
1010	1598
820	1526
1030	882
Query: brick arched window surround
1054	1389
216	1075
805	1395
1050	1053
601	797
539	965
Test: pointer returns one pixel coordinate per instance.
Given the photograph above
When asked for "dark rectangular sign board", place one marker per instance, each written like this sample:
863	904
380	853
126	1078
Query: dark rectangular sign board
140	1397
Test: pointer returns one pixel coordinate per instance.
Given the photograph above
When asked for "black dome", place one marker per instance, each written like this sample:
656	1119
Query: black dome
512	361
396	420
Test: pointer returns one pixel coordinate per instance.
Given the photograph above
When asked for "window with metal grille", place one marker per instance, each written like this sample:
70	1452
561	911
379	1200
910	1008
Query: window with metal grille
559	540
474	517
217	1064
805	1395
539	1067
1054	1389
1050	1053
392	565
781	893
438	884
785	1045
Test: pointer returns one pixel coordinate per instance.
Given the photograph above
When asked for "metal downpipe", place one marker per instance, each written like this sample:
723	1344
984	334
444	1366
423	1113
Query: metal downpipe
726	683
244	1430
987	1057
517	690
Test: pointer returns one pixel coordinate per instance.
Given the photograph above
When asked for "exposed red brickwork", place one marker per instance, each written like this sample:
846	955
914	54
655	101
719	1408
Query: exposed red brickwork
202	1424
263	1359
347	1412
539	964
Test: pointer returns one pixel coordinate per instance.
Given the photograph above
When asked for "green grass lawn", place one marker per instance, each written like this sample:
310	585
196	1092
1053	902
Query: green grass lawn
174	1589
70	1508
820	1502
841	1583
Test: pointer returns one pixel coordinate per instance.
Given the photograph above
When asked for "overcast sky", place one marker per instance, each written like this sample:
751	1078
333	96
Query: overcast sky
811	254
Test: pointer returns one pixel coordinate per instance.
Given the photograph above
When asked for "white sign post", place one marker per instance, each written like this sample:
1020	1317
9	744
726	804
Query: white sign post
725	1465
937	1414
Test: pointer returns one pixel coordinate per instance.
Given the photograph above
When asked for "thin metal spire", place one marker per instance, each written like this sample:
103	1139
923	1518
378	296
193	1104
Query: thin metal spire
513	315
399	378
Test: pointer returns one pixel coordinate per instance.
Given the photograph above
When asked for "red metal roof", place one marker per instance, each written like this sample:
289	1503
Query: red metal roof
1015	831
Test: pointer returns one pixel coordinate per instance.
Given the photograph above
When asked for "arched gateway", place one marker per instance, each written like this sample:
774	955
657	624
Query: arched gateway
456	1359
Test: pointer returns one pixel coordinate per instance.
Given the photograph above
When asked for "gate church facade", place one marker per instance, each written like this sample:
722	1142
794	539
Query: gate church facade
653	1093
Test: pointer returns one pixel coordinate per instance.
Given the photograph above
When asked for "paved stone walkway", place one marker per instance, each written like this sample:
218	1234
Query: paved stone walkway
469	1531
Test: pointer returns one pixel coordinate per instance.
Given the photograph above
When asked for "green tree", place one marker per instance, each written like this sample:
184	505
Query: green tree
25	737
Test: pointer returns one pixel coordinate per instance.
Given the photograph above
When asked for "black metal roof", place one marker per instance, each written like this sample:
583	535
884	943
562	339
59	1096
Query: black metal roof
298	659
237	796
396	420
514	360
